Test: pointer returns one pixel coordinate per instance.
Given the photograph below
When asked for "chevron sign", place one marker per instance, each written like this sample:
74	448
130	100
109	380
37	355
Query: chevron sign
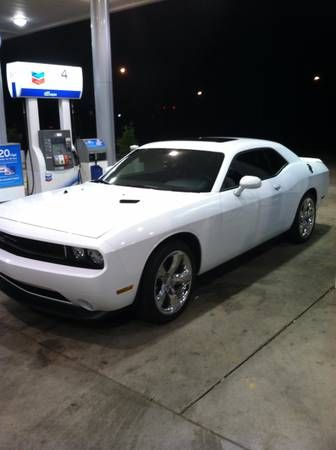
38	77
38	80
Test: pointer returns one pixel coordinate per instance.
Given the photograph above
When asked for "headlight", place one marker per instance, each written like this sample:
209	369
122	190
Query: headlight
82	257
96	257
78	253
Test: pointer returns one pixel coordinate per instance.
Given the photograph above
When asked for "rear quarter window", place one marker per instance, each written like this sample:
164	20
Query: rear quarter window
275	160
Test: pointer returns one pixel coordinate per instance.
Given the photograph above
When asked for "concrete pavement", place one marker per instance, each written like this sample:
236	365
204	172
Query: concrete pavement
250	364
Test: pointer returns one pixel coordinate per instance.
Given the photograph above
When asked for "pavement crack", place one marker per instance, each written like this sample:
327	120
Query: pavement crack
235	368
133	391
180	413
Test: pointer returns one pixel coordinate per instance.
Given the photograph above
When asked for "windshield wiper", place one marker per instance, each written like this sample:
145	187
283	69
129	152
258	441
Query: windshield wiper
150	186
166	188
139	186
100	181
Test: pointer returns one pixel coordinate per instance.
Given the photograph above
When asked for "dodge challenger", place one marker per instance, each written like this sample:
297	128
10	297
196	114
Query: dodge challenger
163	214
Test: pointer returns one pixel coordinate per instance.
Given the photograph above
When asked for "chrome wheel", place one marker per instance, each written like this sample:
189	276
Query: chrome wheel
306	217
173	282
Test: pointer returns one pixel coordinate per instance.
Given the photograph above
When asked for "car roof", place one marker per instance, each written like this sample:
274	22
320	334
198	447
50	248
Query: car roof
225	145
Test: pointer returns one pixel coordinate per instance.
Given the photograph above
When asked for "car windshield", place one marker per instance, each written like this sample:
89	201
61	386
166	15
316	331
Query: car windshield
167	169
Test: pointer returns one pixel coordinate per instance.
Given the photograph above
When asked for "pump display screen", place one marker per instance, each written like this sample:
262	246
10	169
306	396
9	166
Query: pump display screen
59	151
59	148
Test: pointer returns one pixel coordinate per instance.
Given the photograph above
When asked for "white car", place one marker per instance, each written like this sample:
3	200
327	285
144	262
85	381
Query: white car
165	213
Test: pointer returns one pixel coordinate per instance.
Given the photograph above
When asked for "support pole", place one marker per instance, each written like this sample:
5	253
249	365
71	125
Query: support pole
64	115
3	129
34	158
102	74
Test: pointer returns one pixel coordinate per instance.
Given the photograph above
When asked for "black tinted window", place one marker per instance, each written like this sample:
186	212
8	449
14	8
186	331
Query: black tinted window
276	161
263	163
168	169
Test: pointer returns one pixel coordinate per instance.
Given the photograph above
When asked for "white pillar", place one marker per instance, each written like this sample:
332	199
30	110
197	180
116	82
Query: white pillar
64	114
102	74
3	130
33	121
35	161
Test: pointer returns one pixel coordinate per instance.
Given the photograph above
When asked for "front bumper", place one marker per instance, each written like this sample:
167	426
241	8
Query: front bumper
44	300
76	288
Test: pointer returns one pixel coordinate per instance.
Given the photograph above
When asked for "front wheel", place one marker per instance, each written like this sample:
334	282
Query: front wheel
304	221
167	283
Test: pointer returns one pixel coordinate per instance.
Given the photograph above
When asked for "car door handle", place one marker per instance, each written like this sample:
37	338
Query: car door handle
277	187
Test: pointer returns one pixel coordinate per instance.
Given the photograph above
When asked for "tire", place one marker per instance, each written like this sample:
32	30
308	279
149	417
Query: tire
304	222
163	296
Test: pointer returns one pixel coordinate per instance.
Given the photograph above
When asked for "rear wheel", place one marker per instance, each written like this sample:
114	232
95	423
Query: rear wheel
304	221
167	283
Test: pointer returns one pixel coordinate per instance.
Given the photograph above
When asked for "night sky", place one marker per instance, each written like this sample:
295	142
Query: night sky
253	60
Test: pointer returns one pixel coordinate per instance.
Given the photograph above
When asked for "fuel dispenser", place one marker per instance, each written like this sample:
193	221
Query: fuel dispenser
51	161
92	154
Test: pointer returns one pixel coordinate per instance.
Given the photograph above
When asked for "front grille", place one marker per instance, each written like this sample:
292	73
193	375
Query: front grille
30	248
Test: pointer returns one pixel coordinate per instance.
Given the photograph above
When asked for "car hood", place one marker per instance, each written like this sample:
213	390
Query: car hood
93	209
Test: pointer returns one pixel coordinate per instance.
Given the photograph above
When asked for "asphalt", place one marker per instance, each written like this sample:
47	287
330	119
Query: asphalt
249	365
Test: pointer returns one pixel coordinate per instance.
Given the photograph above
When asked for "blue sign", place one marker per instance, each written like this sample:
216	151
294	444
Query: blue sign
10	166
46	93
94	143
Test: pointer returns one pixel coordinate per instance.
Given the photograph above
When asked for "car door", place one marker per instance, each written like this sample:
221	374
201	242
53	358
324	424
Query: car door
254	216
239	214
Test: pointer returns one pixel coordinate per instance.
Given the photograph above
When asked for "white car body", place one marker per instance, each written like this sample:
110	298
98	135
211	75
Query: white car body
91	216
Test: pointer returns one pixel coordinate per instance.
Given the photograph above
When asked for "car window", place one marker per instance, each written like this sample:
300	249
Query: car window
262	162
167	169
276	161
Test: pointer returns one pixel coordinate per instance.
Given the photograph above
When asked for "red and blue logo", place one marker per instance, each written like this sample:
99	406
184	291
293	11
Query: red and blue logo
38	77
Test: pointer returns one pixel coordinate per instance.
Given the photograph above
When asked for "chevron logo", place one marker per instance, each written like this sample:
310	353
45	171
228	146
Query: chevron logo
38	77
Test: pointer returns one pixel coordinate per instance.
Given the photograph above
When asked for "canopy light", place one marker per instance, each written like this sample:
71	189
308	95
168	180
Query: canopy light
20	20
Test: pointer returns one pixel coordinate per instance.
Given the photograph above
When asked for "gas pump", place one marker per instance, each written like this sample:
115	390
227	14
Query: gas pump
92	154
51	161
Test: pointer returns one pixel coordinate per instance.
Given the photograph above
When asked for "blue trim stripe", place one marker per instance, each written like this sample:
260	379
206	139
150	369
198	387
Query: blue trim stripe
49	93
14	89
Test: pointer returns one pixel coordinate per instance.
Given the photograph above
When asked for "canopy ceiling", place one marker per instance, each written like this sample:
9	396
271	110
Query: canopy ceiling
44	14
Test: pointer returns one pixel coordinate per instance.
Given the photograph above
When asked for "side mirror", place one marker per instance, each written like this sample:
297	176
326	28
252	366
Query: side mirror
134	147
247	182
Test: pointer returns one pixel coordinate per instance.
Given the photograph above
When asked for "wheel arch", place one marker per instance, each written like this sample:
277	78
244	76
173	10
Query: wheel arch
311	191
188	238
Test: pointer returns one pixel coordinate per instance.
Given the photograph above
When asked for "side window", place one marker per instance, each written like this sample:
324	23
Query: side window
275	160
251	162
262	162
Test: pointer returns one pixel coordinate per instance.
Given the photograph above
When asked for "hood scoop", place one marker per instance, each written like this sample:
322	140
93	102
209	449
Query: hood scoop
128	201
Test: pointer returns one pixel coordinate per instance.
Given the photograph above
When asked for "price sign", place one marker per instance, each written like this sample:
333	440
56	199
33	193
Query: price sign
10	166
